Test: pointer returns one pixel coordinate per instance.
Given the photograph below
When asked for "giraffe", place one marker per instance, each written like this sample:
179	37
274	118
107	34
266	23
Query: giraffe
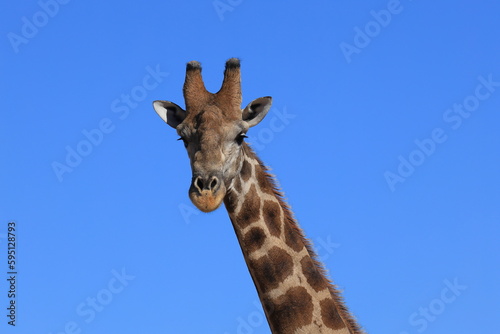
295	292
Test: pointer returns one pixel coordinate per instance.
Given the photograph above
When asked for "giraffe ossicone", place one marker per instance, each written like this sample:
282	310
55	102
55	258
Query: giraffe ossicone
295	292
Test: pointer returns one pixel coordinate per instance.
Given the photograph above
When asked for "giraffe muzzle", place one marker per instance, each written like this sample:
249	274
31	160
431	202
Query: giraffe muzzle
207	192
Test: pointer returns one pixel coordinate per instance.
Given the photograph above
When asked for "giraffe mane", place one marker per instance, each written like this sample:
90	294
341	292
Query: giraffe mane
348	318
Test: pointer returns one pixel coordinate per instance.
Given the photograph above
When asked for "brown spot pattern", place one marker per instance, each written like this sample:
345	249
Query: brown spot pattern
292	237
250	209
272	217
272	269
230	201
246	170
313	275
292	310
237	184
264	184
330	315
253	239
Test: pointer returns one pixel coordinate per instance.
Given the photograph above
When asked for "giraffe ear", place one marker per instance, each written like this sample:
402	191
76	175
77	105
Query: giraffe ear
256	110
170	112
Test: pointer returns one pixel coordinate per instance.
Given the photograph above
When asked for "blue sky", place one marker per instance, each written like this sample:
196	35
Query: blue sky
383	135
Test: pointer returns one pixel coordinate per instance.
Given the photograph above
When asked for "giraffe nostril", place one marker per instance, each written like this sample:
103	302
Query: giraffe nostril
213	184
199	183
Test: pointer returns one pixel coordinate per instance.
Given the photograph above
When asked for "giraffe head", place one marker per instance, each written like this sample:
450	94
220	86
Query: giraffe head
213	128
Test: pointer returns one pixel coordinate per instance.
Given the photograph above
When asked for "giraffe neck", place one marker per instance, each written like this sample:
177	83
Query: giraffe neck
296	295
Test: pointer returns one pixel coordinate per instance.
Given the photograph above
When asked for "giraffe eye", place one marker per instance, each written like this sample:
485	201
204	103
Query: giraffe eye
240	138
184	141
